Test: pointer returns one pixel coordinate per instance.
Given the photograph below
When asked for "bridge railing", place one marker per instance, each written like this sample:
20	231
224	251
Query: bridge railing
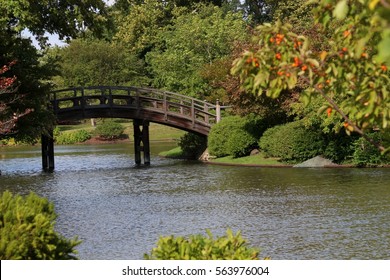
145	99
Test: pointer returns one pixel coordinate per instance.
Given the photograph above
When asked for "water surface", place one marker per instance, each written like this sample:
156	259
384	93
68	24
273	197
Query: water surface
119	210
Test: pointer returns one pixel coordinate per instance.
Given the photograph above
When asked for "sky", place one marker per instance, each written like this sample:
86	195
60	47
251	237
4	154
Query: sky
53	38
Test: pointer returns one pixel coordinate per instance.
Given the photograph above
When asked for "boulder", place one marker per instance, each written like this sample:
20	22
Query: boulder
317	161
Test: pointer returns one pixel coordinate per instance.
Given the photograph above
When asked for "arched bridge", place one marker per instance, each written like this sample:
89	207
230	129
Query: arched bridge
143	105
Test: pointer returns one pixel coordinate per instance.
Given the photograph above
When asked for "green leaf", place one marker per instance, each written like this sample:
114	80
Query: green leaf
384	50
341	9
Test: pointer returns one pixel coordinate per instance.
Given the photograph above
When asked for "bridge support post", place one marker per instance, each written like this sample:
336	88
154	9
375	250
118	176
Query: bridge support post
141	141
47	143
218	111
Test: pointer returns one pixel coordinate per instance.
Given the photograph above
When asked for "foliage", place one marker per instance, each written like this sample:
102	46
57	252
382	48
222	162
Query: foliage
367	155
241	143
235	136
192	145
195	37
95	62
109	130
339	146
139	28
199	247
349	75
292	142
64	17
7	90
27	230
72	137
27	93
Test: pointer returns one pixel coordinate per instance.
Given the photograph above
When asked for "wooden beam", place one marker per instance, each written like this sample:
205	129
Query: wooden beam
141	141
47	143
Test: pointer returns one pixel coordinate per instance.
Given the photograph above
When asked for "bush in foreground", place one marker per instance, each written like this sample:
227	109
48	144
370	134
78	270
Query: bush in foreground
199	247
27	230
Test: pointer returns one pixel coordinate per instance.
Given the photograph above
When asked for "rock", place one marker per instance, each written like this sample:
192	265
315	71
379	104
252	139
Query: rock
254	152
205	156
317	161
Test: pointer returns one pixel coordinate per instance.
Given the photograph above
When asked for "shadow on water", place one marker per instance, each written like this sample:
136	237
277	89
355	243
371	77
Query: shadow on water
119	210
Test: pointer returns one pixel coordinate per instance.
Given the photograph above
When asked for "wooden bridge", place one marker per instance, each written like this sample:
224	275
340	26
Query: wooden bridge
143	105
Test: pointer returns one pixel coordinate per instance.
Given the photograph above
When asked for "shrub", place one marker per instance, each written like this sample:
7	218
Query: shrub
240	143
192	145
27	230
292	142
235	136
339	146
199	247
109	130
72	137
367	155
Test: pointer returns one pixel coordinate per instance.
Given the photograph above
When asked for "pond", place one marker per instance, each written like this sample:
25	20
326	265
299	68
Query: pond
119	210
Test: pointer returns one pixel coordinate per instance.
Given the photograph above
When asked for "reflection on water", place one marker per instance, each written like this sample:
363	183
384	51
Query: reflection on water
119	210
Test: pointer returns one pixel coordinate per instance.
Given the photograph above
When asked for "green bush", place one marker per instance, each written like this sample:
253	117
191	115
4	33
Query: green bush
339	147
241	143
192	145
199	247
292	142
109	130
27	230
366	154
72	137
235	136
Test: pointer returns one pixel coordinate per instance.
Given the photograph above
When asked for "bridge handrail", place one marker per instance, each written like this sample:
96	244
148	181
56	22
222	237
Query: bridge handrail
167	99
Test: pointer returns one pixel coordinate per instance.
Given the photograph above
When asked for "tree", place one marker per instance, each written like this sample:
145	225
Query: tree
7	98
28	92
196	37
349	74
96	62
67	19
138	30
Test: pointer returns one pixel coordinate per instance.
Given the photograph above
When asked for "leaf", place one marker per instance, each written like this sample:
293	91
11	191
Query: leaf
384	50
373	4
341	9
323	55
313	61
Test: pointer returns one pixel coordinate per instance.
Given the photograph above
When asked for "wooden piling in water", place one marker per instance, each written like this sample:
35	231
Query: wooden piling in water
47	144
141	141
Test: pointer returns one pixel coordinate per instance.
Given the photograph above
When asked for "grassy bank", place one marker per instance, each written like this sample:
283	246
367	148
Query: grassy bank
157	132
258	159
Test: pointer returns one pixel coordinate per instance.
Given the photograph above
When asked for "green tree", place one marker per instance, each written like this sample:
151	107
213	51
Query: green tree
67	19
139	28
28	94
350	75
195	38
96	62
